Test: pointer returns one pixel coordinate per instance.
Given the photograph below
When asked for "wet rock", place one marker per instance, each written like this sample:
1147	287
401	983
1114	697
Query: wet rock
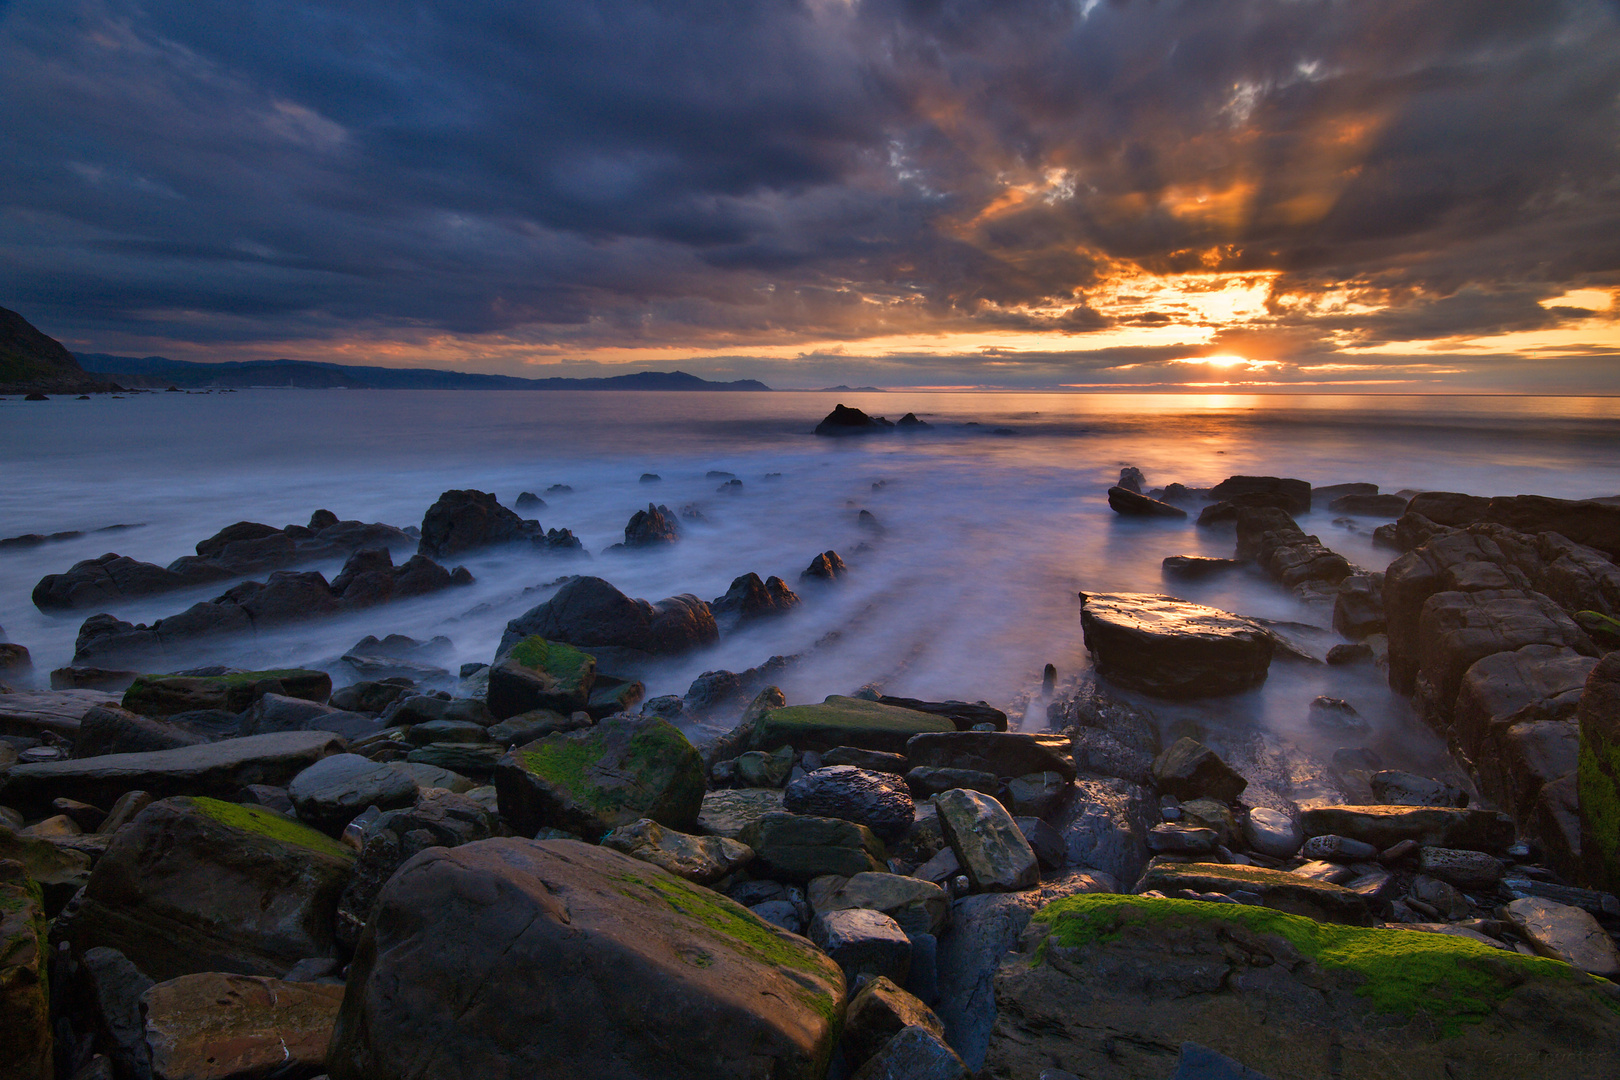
1131	479
879	801
468	520
1467	870
538	674
371	696
620	632
916	1053
863	942
986	841
1036	794
1394	788
1188	770
1128	503
919	907
1297	492
591	781
795	847
1358	653
1275	888
107	729
213	1025
965	715
1565	933
1175	839
657	976
847	421
1001	753
1458	628
1440	898
193	884
878	1012
1336	715
112	988
1599	783
702	859
749	599
1196	567
1358	606
926	781
1104	825
1385	826
1293	559
824	567
329	793
469	759
728	813
1272	833
652	527
1166	647
415	709
843	721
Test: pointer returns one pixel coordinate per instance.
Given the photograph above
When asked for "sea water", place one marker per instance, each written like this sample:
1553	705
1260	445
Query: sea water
992	520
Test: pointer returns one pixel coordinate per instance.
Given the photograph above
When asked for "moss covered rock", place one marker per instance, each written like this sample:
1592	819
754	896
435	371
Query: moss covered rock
24	959
523	958
538	674
196	884
843	721
1118	983
1276	888
594	780
1598	776
166	695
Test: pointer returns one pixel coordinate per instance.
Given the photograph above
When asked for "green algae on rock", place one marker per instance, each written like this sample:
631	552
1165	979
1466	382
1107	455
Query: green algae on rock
843	721
1598	776
166	695
539	674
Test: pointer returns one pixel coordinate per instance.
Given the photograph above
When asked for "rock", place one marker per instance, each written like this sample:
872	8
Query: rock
329	793
1358	606
1469	870
59	712
843	721
728	813
24	968
1456	629
1188	770
1325	494
1339	849
1196	567
1599	777
468	759
652	527
1277	889
416	709
920	907
1104	825
1167	647
1358	653
441	819
1130	503
1228	510
467	520
1000	753
274	712
916	1053
1535	683
878	1012
1120	983
846	421
863	942
1336	715
965	715
1176	839
90	678
107	729
538	674
1293	559
113	988
926	781
221	769
194	884
993	853
1443	899
795	847
659	977
211	1026
1385	826
1296	492
591	781
758	769
879	801
1565	933
1272	833
703	859
1036	794
371	695
1394	788
824	567
871	760
620	632
1388	507
165	695
749	599
1131	479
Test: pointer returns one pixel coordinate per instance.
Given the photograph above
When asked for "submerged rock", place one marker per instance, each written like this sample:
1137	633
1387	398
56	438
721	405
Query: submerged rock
847	421
1128	503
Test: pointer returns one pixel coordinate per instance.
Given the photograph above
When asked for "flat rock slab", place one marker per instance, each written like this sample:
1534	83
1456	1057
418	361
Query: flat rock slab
31	712
844	721
1565	933
1166	647
729	811
797	847
519	958
703	859
213	1026
329	793
220	769
1277	889
1003	753
1431	826
1120	983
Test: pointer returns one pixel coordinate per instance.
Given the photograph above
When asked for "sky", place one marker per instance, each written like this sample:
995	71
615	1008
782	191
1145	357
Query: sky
1323	195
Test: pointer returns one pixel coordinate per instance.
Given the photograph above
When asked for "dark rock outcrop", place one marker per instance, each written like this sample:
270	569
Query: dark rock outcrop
619	631
846	421
1124	501
31	361
749	599
651	527
466	520
1166	647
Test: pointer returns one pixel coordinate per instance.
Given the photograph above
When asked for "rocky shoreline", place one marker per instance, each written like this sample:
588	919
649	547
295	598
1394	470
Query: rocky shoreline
528	867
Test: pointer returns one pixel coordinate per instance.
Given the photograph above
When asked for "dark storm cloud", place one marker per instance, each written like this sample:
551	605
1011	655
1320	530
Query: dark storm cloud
762	172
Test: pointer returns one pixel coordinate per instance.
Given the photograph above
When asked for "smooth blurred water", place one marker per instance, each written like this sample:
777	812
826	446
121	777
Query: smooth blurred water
993	520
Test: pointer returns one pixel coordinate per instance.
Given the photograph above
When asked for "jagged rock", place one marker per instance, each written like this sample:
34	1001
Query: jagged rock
1124	501
1358	607
651	527
213	1024
1293	559
466	520
729	813
846	421
1188	770
1167	647
749	599
824	567
658	977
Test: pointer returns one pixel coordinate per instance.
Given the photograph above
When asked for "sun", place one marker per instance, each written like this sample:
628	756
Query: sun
1223	361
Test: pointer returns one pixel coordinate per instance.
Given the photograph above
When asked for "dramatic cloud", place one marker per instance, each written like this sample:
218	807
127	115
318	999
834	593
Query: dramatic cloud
914	192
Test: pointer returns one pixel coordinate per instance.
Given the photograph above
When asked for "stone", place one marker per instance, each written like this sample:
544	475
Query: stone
879	1011
761	770
1113	986
221	769
1272	833
1385	826
750	599
114	987
843	721
1599	776
469	759
1001	753
1188	770
1337	716
702	859
880	801
1174	839
329	793
1296	492
863	942
1276	889
1196	567
1284	551
967	716
926	781
32	713
538	674
1045	841
1036	794
916	1053
1388	507
416	709
1104	825
871	760
1565	933
1394	788
594	780
1456	629
1342	654
847	421
1166	647
165	695
529	726
194	884
662	979
620	632
795	847
728	812
993	852
651	527
277	712
108	729
214	1026
1444	899
1340	849
460	521
1469	870
123	811
919	907
24	969
1130	503
826	567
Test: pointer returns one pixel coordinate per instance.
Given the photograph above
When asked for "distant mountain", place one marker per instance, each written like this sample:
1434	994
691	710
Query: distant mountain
842	389
31	360
312	375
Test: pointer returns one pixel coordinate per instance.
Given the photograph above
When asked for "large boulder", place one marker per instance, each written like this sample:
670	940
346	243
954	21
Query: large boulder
25	1016
1432	826
166	695
32	714
1599	776
1104	826
843	721
1297	493
107	729
223	769
538	674
1456	629
1115	986
594	780
749	599
652	527
844	420
987	842
329	793
465	520
514	958
880	801
1167	647
591	614
214	1026
195	884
